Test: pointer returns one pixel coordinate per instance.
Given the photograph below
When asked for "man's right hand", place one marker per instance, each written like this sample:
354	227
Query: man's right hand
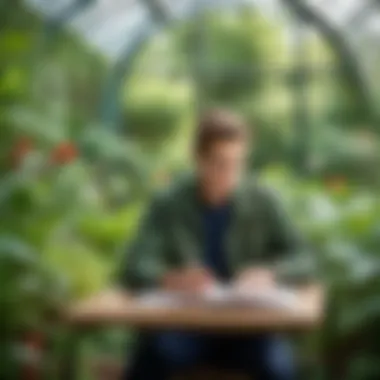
191	280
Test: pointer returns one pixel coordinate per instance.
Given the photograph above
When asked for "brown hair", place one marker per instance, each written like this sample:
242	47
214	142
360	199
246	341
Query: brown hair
219	125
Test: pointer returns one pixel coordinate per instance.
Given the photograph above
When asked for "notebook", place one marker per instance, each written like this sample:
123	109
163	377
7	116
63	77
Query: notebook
222	296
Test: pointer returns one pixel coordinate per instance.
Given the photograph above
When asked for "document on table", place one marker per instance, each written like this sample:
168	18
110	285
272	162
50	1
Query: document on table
222	296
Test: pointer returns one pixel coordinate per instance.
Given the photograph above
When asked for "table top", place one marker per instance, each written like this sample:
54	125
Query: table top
117	307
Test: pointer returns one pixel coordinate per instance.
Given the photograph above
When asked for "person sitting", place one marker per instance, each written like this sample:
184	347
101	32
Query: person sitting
214	226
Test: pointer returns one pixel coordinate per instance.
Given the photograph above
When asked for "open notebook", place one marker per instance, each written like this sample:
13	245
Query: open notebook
222	296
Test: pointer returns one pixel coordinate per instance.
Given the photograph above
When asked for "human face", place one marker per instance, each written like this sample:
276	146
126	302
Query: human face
220	169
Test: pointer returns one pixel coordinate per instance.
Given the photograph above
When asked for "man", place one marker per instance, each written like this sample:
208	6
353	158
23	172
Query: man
213	227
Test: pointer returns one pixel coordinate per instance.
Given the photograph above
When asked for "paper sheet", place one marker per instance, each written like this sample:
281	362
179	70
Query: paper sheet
222	296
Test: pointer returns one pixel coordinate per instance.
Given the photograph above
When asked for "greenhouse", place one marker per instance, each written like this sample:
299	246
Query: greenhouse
100	99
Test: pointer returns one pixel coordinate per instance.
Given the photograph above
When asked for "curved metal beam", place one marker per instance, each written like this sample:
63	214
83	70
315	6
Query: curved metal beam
111	107
111	102
158	10
350	64
54	24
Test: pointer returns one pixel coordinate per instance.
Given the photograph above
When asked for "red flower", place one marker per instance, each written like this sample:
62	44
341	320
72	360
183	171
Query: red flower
34	345
34	339
64	153
22	147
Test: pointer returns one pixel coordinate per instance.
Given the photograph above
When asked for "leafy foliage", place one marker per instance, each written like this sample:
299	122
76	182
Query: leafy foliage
71	191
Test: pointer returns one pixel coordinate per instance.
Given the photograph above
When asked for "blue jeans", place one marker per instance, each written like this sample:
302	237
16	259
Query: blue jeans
161	354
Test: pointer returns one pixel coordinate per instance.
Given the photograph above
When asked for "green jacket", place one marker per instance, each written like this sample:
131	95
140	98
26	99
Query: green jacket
170	237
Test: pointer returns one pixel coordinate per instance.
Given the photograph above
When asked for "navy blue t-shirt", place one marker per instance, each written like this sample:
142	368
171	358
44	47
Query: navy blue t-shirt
216	221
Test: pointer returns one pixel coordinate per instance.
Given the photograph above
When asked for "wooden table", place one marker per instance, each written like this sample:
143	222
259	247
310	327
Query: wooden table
115	307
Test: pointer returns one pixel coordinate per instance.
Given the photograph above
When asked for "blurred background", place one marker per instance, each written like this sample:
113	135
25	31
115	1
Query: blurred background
99	99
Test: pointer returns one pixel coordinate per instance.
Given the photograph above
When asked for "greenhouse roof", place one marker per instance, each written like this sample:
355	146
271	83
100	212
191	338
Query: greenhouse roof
110	25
